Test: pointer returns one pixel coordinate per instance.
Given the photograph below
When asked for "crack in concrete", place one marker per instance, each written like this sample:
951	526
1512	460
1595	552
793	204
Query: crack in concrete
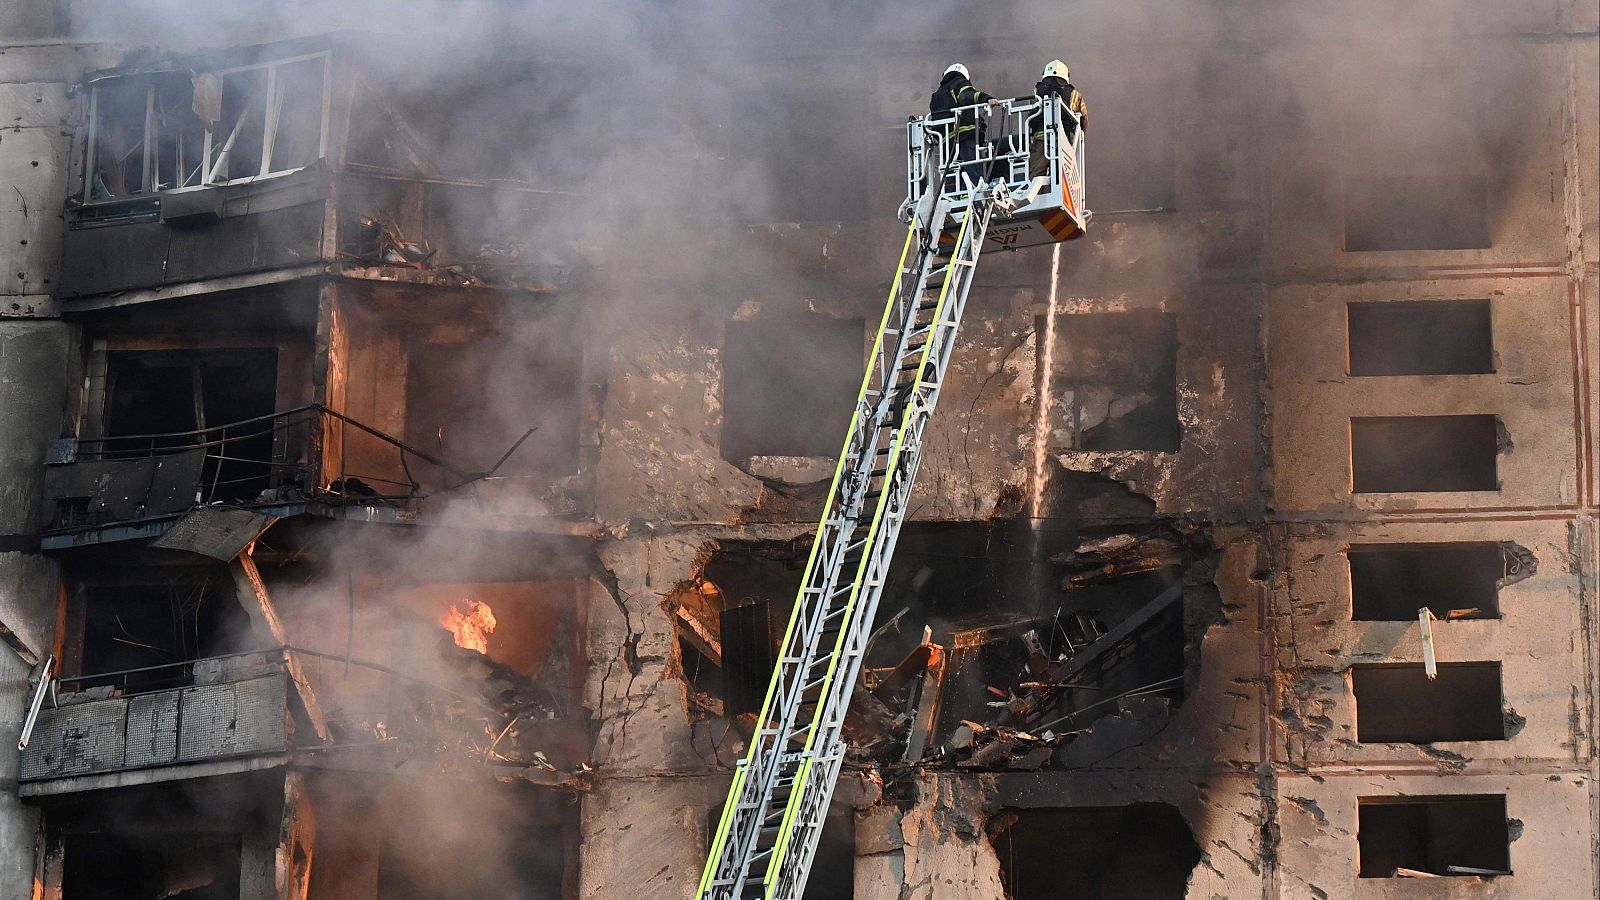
628	654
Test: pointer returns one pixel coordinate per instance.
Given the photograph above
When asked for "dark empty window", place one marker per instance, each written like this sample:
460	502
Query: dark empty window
1439	835
1132	150
833	868
1424	453
788	385
297	138
192	397
151	866
237	143
1429	337
1417	165
748	655
118	144
731	621
155	629
180	135
1396	702
1139	852
1391	582
1117	379
1417	212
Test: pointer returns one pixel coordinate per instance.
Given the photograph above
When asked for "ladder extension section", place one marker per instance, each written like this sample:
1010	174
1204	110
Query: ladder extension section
764	843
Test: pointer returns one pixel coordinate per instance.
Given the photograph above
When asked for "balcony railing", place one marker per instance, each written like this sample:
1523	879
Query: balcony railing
307	454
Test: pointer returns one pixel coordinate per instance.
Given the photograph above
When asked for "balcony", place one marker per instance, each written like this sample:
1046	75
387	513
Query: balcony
306	459
243	712
229	715
211	174
436	233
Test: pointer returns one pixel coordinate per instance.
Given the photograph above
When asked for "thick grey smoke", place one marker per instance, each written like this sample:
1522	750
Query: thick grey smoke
703	155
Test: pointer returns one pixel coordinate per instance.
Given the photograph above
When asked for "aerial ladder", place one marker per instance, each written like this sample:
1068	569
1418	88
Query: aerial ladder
767	835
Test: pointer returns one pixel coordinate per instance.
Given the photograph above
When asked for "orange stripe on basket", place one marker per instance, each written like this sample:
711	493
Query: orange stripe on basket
1066	200
1058	223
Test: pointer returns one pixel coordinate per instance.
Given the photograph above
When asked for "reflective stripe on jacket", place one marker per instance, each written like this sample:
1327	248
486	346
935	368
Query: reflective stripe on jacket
954	91
1057	87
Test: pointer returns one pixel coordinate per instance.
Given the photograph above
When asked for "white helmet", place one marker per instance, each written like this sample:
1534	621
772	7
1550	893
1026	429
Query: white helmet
1058	69
958	67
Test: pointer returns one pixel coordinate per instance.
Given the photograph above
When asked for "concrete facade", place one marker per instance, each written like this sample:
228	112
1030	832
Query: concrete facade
1230	145
36	69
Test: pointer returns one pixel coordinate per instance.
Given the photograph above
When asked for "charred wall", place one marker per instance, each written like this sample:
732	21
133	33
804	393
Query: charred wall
1189	370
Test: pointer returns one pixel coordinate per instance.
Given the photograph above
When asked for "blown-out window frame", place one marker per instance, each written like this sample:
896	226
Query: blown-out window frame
270	116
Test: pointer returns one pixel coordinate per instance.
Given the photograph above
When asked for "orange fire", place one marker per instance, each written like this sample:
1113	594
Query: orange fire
471	628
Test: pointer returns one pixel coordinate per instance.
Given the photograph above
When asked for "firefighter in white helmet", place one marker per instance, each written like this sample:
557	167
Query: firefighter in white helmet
1055	81
956	90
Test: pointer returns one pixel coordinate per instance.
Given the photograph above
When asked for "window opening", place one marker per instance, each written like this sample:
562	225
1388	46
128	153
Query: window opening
1144	851
191	397
155	628
1395	702
1439	835
1390	582
1424	453
1426	337
151	866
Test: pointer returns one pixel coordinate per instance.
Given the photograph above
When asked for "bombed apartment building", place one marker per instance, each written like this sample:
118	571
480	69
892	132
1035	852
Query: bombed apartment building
415	420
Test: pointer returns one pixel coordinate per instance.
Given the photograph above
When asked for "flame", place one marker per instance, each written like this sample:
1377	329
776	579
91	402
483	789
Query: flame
471	628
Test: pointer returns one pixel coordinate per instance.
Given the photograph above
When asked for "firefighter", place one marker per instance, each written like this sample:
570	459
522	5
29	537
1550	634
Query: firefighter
1055	81
956	90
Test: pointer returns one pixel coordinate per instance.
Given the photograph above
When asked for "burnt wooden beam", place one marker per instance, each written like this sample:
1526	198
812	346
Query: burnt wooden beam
928	697
698	636
297	833
257	604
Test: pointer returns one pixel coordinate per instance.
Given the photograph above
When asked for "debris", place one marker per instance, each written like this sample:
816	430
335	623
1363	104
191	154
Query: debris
1430	663
353	487
1033	759
991	753
961	738
1118	556
698	636
1470	870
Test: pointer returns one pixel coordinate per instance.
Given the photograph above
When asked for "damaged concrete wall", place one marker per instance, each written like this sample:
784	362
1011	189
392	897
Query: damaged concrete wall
35	350
1223	146
661	473
1253	269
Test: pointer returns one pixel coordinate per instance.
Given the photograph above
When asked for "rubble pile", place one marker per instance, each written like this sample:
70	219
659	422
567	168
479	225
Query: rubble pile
1015	692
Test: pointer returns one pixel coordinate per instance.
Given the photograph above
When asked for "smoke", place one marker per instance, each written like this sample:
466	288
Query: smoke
698	159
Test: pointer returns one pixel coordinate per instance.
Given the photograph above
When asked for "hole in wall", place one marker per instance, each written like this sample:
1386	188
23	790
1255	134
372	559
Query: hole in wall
1433	834
1395	702
1391	582
1143	851
1420	337
1424	453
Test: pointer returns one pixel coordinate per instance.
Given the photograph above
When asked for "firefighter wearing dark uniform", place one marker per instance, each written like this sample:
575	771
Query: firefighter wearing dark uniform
956	90
1054	82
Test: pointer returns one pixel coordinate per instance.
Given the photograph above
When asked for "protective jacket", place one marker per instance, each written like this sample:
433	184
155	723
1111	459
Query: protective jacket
954	91
1059	87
